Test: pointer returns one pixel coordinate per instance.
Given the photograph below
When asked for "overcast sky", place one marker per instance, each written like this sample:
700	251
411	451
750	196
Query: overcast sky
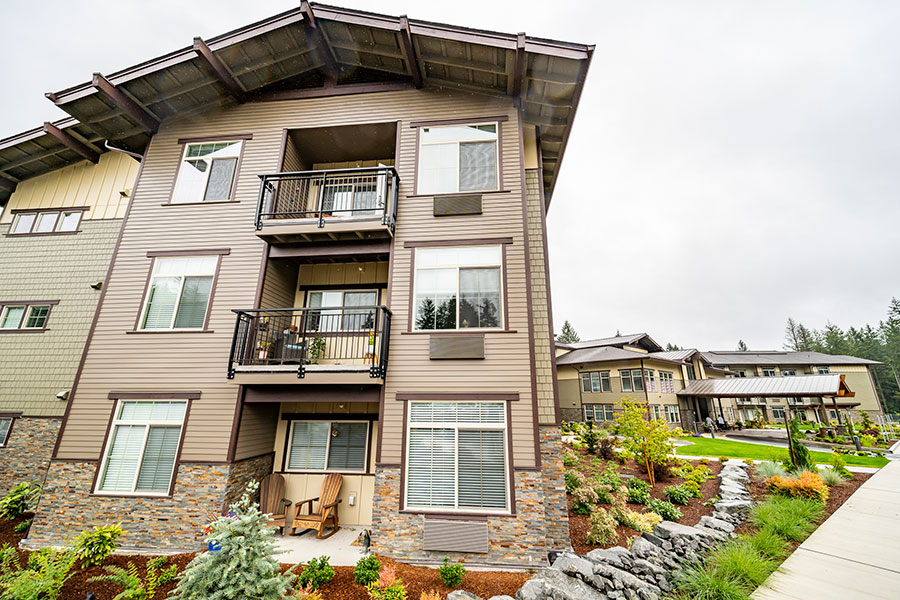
733	163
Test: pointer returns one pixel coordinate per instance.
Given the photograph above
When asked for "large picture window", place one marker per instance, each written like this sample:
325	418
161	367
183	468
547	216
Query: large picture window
458	288
179	291
458	158
339	312
456	456
142	447
207	172
328	446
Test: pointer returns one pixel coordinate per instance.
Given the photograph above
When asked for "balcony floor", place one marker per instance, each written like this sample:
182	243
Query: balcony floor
354	374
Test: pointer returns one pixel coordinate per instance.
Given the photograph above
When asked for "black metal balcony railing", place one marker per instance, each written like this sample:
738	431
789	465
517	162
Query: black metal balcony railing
338	338
362	194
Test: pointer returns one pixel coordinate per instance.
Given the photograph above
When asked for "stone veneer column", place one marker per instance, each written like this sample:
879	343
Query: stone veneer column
26	456
555	504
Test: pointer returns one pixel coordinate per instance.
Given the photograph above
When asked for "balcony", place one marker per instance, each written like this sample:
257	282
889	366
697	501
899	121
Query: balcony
321	345
329	205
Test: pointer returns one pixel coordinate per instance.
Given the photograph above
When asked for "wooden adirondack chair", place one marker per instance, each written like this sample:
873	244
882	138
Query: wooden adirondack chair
272	500
327	513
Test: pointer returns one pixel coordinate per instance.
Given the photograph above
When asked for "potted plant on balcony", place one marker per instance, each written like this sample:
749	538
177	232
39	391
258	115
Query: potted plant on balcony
316	349
262	350
370	347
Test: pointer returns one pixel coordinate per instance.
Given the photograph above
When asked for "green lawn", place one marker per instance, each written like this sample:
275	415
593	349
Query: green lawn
710	447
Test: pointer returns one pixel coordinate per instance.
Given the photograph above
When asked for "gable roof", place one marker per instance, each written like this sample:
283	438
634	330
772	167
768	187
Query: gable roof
313	50
776	357
631	339
768	387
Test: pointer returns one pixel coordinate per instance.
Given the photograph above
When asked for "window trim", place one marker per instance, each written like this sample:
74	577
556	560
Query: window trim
118	398
764	370
153	255
606	406
823	370
510	510
243	138
343	291
4	442
631	380
289	436
676	412
20	328
18	212
602	376
666	379
504	317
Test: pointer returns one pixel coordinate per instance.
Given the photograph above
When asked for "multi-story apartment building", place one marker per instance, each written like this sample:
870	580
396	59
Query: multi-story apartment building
856	372
595	375
62	200
334	261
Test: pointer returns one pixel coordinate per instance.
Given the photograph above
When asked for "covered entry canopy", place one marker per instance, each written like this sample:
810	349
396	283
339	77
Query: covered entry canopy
800	386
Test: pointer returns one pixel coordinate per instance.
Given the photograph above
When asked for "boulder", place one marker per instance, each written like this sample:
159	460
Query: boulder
462	595
553	583
574	566
713	523
737	508
669	529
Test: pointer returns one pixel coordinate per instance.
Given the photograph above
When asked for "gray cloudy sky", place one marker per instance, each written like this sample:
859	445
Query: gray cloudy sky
733	163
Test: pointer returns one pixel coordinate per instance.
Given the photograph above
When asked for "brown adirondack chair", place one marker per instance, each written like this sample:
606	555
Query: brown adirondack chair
327	513
272	500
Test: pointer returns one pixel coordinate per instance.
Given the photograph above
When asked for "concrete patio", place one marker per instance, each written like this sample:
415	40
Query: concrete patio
339	548
853	554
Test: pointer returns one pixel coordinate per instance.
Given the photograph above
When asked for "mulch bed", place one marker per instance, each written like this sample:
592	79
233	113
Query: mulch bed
590	465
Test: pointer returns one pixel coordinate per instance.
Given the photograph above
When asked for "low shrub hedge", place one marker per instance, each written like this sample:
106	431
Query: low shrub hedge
805	485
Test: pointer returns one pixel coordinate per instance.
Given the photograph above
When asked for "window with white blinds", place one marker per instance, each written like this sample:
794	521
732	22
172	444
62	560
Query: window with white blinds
457	456
328	446
178	294
143	445
458	158
5	426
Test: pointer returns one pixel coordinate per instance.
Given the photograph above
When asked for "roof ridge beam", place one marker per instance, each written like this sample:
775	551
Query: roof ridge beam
312	28
224	76
70	142
131	108
409	52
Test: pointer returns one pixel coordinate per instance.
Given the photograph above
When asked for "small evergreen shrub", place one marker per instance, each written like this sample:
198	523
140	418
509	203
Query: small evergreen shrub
694	488
602	528
451	573
135	587
749	462
21	499
590	438
767	469
574	480
840	465
678	494
638	491
94	545
704	461
606	450
316	574
23	526
723	459
388	586
666	510
831	477
367	569
806	485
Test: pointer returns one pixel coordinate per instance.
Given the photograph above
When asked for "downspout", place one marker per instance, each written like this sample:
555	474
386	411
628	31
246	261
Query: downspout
133	155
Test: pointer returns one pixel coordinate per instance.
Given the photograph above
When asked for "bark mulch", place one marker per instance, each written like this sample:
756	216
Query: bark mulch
591	465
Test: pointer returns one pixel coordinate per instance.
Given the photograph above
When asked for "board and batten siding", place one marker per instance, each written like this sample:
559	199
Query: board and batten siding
120	361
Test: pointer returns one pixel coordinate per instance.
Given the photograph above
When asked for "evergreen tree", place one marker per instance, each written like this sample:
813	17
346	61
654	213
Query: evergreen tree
673	347
445	315
245	566
742	346
425	316
568	335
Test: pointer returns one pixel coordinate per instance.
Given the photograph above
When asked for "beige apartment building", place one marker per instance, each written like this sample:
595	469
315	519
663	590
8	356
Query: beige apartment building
334	261
63	197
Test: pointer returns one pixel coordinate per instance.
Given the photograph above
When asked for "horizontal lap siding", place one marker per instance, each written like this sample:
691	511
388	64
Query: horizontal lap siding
257	430
197	361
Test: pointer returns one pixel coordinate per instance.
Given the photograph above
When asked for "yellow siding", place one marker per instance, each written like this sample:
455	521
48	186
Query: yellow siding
99	186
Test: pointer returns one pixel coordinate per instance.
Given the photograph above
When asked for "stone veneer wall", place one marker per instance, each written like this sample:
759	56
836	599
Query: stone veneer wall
571	414
555	504
202	491
27	453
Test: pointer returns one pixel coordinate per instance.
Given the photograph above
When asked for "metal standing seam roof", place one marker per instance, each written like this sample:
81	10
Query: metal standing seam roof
775	358
314	48
607	354
765	387
617	340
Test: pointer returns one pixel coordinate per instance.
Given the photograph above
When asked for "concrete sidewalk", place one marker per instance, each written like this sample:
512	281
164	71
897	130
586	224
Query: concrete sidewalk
853	554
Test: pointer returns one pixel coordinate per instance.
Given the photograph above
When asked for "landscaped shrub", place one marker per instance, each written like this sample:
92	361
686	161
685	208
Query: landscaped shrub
432	595
723	459
602	528
767	469
643	522
94	545
643	439
306	593
791	518
611	477
569	458
135	587
666	510
367	569
700	583
43	577
574	480
740	560
840	465
805	485
21	499
316	574
868	440
388	586
583	499
606	450
703	461
23	526
604	494
451	573
694	488
638	491
245	566
678	494
749	462
590	438
831	477
768	543
800	459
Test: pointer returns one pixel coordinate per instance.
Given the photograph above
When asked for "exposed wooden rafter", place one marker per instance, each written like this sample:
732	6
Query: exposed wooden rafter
222	73
6	185
71	143
125	104
312	28
409	53
521	62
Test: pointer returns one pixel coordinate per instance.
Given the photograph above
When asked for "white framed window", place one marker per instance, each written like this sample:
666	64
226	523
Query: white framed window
768	372
11	316
650	378
328	446
673	415
458	158
657	411
179	291
5	426
778	412
788	372
666	382
47	221
595	381
339	313
599	412
631	380
742	373
21	317
37	316
142	447
207	171
23	223
458	288
823	370
457	456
